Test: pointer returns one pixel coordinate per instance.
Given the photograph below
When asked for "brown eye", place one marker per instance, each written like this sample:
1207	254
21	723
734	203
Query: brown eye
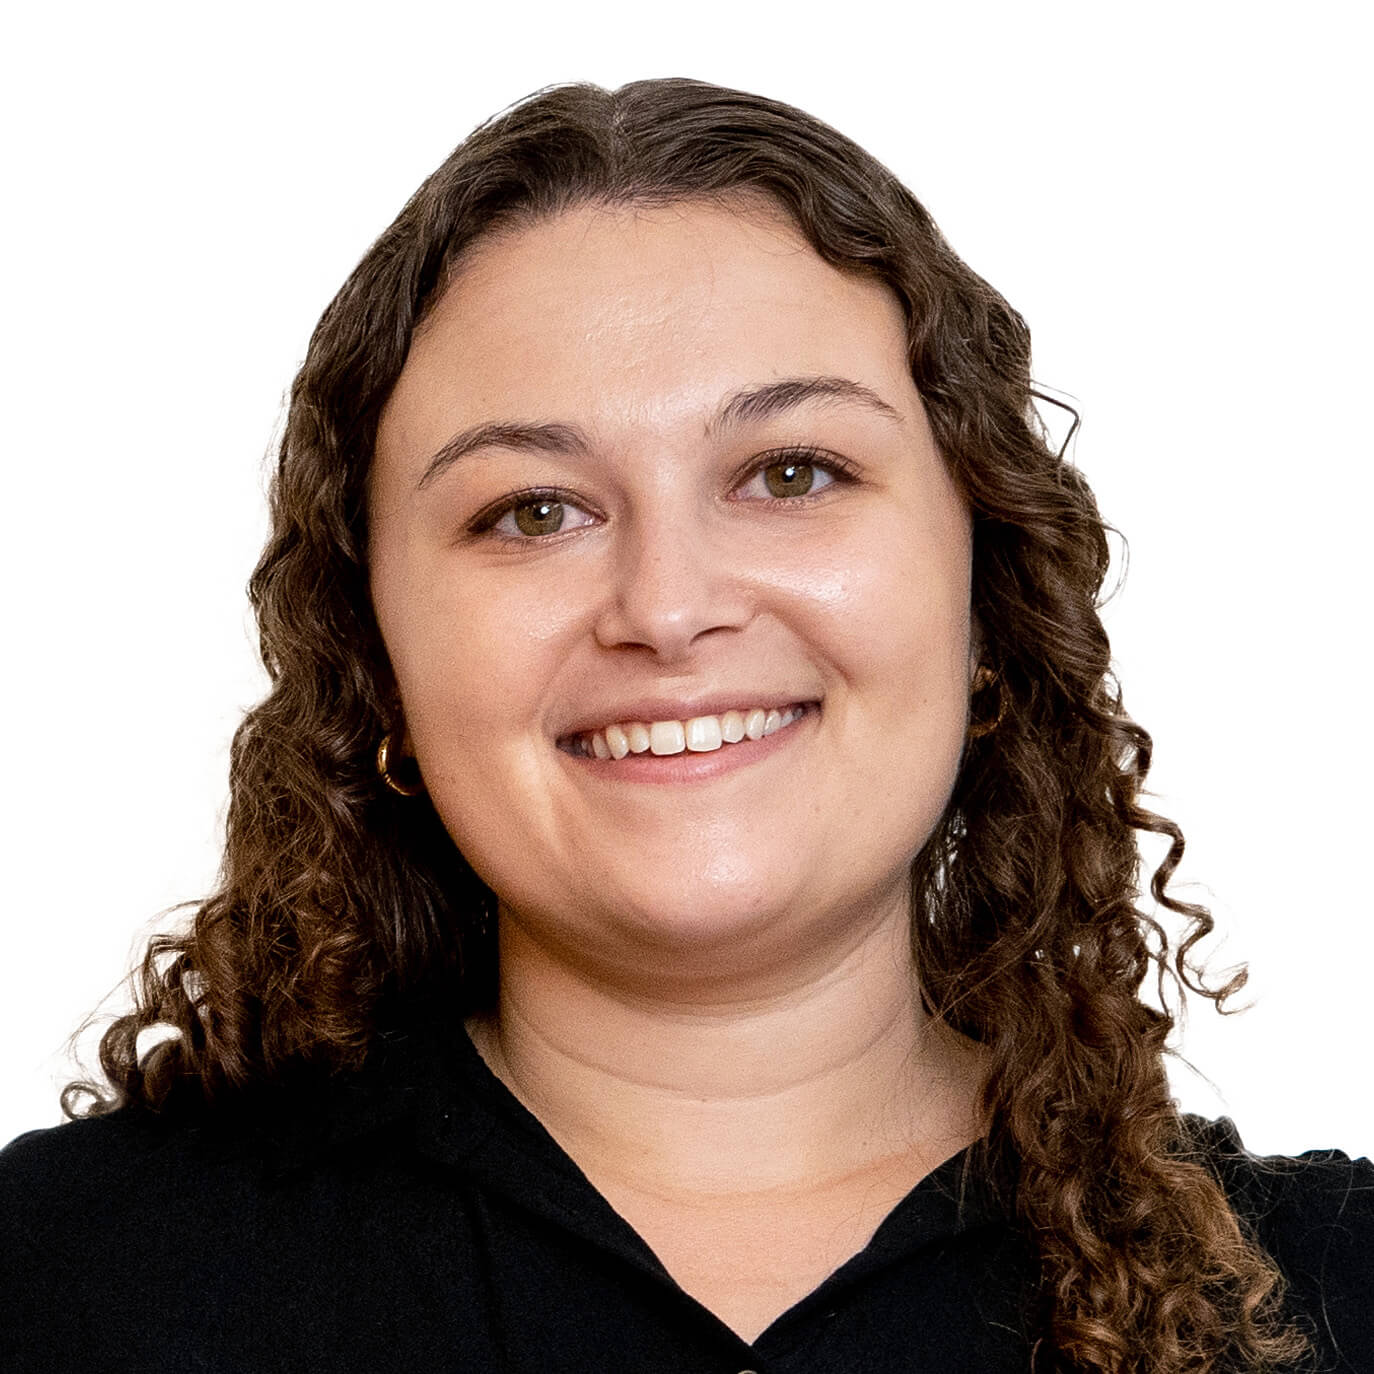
542	516
789	478
791	475
526	517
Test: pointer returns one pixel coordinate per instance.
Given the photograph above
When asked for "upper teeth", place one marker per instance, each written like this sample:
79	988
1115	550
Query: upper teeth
699	735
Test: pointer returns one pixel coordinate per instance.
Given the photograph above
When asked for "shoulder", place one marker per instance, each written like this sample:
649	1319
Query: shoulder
86	1208
145	1239
1314	1215
1308	1203
42	1170
97	1142
108	1177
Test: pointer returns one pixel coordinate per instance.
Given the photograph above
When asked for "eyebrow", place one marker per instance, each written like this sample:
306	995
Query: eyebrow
749	405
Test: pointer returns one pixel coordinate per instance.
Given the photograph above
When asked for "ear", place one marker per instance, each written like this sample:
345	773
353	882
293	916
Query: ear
396	726
975	649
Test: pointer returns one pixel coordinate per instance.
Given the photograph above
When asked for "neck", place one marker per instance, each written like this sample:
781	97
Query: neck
753	1090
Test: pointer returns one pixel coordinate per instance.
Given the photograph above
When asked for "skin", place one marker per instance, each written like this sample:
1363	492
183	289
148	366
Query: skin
706	985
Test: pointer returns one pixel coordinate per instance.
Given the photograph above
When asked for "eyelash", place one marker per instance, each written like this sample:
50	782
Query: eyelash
840	469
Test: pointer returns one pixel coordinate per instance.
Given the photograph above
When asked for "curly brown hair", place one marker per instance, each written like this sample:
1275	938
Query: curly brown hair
336	896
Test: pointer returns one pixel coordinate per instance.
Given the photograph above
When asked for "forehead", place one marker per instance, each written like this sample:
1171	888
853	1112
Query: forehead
638	315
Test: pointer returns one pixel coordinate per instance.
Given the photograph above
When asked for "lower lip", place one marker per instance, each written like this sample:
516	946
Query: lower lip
690	767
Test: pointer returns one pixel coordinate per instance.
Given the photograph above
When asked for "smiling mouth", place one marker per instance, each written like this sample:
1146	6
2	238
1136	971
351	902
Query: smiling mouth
699	735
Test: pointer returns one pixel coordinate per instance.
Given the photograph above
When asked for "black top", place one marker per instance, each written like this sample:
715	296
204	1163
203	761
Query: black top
417	1217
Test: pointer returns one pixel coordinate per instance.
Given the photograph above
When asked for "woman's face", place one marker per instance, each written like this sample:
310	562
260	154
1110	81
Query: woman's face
654	465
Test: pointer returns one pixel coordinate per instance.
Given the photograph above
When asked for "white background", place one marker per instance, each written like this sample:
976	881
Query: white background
1173	195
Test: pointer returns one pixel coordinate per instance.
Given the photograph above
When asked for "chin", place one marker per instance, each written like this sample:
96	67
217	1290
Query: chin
709	914
710	932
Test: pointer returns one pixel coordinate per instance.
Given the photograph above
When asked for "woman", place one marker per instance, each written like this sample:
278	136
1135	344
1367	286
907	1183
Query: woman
679	908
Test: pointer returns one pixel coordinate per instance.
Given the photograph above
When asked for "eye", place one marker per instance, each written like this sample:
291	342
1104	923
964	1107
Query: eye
786	476
527	516
542	516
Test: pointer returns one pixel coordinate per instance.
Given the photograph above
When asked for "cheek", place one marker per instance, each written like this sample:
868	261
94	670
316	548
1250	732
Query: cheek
902	639
894	615
474	674
471	656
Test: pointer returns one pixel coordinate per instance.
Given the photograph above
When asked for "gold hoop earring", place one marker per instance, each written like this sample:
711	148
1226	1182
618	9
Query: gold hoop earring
403	789
983	678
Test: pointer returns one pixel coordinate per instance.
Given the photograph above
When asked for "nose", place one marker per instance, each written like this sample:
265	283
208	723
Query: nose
673	580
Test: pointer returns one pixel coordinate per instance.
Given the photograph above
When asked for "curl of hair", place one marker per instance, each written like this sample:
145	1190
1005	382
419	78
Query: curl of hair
336	896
